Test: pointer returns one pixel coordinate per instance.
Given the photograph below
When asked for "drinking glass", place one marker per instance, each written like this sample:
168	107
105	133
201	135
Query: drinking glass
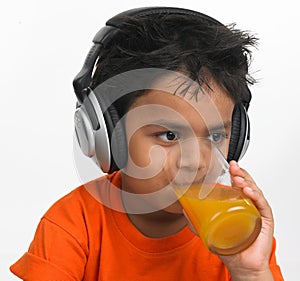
226	220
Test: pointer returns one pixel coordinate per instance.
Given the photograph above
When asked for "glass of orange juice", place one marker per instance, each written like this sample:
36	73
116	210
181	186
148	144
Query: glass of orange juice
225	219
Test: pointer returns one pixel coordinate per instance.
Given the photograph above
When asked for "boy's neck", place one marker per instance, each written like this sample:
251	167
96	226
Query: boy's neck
158	224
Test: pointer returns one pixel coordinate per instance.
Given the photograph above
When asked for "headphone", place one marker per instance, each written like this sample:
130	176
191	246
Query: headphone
97	127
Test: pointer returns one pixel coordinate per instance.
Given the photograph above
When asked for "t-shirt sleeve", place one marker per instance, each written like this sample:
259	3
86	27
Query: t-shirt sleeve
54	254
274	267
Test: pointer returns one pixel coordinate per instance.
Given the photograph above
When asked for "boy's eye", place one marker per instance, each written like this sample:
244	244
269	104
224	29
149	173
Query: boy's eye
217	138
168	136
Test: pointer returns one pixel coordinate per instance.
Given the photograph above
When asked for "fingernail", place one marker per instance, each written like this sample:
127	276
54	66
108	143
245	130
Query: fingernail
248	189
240	179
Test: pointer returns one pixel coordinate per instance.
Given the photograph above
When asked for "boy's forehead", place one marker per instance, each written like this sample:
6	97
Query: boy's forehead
176	84
171	110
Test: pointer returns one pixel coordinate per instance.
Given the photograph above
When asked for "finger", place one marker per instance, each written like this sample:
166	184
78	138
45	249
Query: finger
240	177
262	205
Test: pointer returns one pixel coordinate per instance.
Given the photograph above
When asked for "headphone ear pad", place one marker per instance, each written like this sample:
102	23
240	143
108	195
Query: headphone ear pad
117	136
237	137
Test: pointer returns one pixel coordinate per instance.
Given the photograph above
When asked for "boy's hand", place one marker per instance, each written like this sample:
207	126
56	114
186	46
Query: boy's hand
252	263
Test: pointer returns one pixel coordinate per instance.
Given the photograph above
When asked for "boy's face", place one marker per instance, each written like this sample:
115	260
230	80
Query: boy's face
169	140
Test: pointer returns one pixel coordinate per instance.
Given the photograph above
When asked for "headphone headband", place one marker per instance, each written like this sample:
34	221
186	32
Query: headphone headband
118	20
83	79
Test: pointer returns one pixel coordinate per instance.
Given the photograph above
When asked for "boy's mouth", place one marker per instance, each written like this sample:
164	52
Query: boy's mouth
187	183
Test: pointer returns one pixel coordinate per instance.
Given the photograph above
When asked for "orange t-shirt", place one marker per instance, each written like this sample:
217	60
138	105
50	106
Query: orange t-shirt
80	238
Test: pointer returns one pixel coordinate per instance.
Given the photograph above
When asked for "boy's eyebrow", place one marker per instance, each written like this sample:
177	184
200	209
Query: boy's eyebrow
169	124
226	125
178	126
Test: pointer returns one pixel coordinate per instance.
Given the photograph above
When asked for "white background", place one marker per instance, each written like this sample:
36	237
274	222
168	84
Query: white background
43	45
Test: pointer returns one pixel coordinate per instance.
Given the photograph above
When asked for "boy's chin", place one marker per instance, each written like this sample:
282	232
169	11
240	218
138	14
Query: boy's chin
175	208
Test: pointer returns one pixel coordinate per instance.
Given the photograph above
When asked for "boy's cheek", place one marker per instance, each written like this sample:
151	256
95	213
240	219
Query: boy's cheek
147	156
149	161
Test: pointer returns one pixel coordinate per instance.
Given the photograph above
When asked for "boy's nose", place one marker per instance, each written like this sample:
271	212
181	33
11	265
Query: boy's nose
194	155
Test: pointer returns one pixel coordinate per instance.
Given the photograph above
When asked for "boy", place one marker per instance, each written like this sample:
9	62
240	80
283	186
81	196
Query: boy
168	84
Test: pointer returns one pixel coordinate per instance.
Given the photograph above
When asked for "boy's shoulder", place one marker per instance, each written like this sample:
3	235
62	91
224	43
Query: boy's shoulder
83	204
78	198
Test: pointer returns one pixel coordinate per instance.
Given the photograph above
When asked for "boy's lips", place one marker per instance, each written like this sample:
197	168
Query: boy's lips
186	184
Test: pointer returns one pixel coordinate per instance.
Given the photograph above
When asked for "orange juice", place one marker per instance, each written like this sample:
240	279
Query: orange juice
226	222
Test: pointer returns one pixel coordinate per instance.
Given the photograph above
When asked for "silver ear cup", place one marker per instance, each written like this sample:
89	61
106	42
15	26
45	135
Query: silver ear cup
84	132
94	143
102	143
